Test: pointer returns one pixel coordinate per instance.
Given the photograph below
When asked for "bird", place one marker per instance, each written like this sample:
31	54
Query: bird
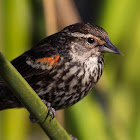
63	67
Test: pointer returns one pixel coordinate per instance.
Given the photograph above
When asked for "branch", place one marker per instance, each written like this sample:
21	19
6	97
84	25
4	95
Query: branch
31	100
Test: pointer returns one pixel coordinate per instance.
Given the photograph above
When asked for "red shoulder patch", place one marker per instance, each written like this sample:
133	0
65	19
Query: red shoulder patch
49	60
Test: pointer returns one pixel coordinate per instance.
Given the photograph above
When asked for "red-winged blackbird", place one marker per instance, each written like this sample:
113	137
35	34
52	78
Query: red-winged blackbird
63	67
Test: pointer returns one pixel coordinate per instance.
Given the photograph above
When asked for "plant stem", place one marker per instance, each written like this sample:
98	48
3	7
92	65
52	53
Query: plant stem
30	100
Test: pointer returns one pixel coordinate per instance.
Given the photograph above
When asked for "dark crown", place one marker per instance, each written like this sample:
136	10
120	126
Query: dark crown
87	28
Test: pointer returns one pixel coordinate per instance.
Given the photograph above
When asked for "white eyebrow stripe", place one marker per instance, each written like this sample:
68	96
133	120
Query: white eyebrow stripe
77	34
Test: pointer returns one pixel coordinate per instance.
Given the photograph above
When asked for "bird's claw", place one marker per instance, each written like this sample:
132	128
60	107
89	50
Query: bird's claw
73	138
51	111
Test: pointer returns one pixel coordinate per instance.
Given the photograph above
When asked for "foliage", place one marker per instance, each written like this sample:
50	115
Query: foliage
109	113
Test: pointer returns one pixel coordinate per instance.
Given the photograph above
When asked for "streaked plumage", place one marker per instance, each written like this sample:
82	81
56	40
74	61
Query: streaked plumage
63	67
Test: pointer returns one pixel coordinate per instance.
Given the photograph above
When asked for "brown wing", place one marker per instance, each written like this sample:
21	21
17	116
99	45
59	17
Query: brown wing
35	63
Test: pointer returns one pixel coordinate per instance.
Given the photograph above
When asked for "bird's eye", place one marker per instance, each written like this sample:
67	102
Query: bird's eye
90	40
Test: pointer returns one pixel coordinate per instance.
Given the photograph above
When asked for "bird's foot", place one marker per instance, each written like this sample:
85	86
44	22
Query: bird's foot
51	111
73	138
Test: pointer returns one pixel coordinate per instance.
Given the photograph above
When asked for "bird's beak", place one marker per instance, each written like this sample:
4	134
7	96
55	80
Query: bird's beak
109	47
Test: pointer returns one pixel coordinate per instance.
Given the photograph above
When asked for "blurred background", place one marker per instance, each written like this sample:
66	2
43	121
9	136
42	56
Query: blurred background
111	111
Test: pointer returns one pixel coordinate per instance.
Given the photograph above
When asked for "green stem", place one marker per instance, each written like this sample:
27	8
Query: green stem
30	100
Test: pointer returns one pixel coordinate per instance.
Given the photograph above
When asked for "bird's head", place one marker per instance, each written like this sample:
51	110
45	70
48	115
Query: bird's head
88	39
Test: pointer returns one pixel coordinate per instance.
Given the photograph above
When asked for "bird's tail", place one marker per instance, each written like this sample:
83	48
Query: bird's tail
7	99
